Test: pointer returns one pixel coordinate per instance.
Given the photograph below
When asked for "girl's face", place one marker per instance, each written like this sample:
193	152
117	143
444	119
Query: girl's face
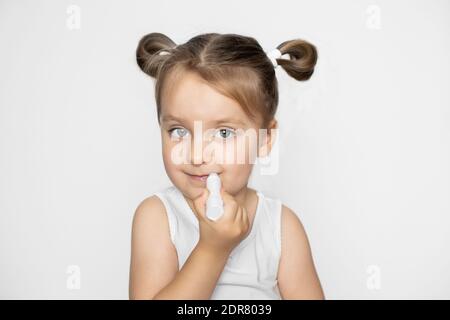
203	131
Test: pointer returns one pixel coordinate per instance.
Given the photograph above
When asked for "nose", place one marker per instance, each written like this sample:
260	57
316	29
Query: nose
196	155
198	146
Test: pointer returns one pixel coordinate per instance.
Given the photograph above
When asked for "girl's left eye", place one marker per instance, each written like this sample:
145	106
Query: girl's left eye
225	133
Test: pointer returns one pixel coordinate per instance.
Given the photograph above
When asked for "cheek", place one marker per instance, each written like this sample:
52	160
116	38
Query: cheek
242	150
235	176
171	163
166	152
175	152
245	149
237	172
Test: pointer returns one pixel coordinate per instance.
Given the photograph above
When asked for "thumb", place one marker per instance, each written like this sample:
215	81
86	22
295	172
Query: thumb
200	204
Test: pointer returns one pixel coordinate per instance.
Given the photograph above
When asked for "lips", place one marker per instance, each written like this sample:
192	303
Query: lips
198	178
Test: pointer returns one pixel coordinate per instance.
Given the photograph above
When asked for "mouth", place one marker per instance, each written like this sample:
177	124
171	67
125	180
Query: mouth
201	178
198	178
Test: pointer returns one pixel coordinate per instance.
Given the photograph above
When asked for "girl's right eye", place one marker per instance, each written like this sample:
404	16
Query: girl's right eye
178	133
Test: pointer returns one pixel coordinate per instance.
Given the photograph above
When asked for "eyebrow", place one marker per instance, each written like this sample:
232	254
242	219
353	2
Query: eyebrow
166	118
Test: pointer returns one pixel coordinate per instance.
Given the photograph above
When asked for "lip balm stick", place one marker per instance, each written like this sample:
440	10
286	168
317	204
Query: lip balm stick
214	204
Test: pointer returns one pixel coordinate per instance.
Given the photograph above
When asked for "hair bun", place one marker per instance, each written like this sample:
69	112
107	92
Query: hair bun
148	49
303	58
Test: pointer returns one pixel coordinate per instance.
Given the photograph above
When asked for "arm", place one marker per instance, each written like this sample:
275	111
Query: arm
297	277
154	264
197	278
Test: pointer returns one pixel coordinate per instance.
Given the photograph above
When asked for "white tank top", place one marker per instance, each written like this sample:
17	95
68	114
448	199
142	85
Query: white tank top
251	270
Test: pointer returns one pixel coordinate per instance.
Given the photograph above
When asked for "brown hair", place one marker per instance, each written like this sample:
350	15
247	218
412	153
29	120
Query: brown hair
235	65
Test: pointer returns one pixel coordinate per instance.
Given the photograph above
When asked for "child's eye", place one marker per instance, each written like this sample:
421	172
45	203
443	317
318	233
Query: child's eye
178	132
225	133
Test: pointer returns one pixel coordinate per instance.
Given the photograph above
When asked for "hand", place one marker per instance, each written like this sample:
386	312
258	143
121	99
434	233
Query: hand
226	232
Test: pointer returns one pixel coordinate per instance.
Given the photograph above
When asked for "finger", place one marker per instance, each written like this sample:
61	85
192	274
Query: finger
238	217
200	205
244	219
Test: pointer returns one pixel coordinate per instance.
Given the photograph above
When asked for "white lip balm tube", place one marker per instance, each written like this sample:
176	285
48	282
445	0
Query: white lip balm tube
214	204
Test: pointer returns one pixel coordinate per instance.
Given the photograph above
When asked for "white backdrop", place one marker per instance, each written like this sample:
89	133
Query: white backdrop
364	145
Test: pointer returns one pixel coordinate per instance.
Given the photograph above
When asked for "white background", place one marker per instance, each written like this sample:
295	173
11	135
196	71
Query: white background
364	145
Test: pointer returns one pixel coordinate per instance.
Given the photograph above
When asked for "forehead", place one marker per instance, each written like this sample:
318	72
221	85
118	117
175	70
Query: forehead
191	98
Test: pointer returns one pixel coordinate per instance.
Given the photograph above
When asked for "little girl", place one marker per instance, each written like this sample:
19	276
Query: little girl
208	91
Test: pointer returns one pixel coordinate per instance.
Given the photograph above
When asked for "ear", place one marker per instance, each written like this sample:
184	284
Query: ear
268	139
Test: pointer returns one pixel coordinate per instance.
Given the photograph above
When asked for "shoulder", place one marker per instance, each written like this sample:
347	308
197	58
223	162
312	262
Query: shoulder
153	255
149	211
291	223
297	276
293	234
150	204
151	223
